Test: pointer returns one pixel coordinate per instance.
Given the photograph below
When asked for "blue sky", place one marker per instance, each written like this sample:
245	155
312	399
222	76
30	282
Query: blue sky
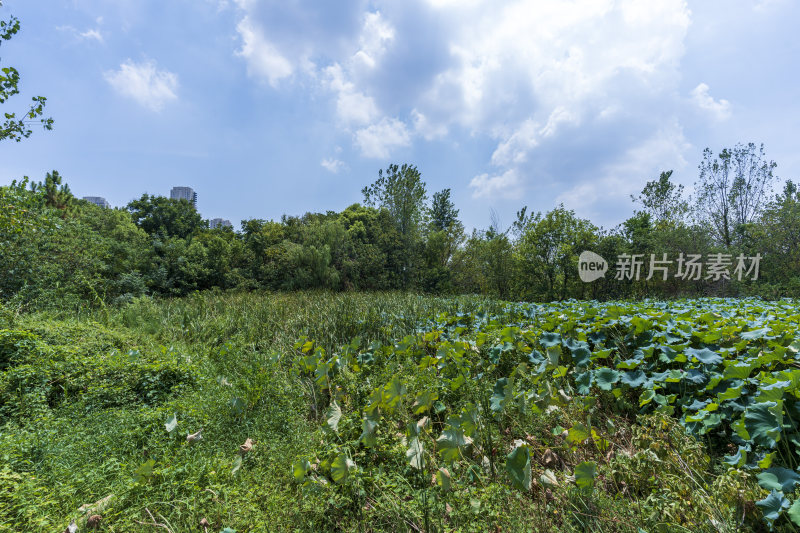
273	107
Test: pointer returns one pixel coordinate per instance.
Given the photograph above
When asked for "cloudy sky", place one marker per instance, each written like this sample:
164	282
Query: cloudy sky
271	107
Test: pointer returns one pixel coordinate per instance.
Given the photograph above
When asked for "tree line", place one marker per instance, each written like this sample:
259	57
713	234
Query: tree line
57	248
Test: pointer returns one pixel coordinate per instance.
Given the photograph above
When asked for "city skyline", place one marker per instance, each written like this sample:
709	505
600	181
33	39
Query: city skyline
184	193
176	193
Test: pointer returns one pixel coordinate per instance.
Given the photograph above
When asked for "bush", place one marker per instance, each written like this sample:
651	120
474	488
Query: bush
40	374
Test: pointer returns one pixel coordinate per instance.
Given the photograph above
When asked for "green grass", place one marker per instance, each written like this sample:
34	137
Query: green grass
84	401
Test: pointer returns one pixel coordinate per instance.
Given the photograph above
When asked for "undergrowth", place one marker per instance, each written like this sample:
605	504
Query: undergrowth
95	410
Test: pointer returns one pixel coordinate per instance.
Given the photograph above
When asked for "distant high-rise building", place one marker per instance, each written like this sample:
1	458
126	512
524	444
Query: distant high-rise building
97	200
184	193
219	223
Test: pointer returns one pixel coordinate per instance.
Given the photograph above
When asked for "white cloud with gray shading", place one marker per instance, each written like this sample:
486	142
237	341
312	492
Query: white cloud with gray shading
380	139
144	83
376	35
378	135
263	59
571	62
616	182
352	105
506	185
539	80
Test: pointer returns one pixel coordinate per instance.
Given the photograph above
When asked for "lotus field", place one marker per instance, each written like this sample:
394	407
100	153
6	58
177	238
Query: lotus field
462	396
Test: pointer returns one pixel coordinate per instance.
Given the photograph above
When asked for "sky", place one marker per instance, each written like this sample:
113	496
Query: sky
268	108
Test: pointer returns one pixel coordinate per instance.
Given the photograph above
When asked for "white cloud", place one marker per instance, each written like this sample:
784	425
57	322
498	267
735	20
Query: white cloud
523	69
450	3
664	150
245	4
263	58
376	34
427	129
92	34
377	140
719	109
144	83
507	185
352	106
765	5
560	115
340	74
523	74
609	191
332	165
514	149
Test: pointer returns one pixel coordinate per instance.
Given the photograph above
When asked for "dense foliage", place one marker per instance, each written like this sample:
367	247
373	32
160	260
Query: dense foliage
478	396
392	412
60	250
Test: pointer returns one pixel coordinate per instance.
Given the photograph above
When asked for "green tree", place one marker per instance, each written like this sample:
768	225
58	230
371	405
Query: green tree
222	258
485	264
639	233
77	257
444	235
158	215
663	200
21	221
55	194
401	191
374	257
609	246
790	192
732	189
498	257
777	238
548	253
640	236
443	213
17	128
261	238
